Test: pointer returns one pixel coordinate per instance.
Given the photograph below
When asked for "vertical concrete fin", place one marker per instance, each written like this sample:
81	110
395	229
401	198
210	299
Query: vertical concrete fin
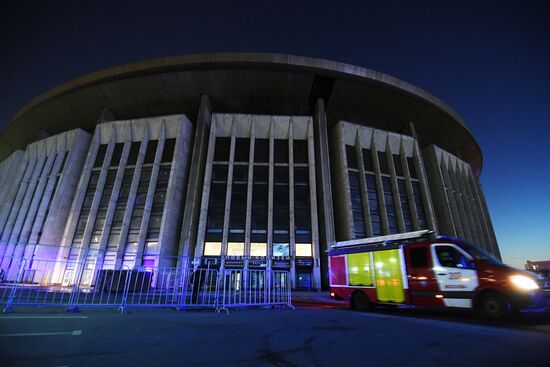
249	192
229	189
380	186
316	248
197	178
292	226
363	185
270	191
324	192
424	187
123	244
142	247
395	190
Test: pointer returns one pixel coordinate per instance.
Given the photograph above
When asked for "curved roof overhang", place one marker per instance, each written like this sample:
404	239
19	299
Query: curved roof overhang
245	83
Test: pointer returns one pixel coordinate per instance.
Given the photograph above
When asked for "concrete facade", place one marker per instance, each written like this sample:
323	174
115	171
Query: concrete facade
247	160
272	244
129	200
458	197
386	174
44	178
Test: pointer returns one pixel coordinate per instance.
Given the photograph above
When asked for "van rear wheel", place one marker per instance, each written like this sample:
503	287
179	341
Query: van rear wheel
494	306
360	301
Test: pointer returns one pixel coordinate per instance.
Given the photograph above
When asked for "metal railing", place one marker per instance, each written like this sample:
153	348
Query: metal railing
191	283
242	287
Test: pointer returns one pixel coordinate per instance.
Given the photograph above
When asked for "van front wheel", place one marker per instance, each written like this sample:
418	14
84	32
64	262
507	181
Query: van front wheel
493	306
360	301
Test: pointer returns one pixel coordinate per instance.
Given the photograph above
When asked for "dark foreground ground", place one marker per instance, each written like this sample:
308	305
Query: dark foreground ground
315	334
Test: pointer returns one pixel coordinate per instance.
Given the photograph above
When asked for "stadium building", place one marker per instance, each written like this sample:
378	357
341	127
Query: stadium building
256	160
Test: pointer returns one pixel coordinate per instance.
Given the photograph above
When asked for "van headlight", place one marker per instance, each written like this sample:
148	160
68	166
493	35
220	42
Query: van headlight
523	282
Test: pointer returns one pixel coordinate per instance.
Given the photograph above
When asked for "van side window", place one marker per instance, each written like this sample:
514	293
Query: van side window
419	257
450	257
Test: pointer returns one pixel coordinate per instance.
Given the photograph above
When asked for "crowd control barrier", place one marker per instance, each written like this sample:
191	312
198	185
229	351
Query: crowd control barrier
191	283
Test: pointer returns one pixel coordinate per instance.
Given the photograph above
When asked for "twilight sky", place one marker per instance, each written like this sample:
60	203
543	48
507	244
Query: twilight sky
488	60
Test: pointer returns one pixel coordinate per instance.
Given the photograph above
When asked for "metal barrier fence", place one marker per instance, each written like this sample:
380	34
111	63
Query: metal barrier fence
190	284
242	287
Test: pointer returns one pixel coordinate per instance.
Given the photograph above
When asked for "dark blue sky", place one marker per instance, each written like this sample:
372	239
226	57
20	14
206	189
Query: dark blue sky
489	60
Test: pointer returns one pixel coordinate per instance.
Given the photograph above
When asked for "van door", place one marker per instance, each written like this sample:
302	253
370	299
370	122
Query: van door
456	274
423	286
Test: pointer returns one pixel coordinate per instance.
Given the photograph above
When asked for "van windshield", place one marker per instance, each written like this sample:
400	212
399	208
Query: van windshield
480	254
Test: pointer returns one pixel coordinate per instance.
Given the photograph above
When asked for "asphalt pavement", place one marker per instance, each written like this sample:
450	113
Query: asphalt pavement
319	332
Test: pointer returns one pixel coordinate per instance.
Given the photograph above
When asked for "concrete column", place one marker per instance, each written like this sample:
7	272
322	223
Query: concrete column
81	253
492	245
292	225
60	214
424	187
454	175
15	165
196	178
175	194
408	187
457	195
29	196
22	213
324	192
395	190
439	193
379	188
249	188
473	215
339	174
35	202
471	235
318	255
452	201
106	230
76	207
199	246
363	185
483	234
46	201
74	213
14	210
150	196
125	227
228	191
292	222
270	196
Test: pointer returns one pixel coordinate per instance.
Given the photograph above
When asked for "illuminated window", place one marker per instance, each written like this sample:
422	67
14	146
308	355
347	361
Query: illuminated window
212	248
303	249
281	249
151	246
235	249
258	249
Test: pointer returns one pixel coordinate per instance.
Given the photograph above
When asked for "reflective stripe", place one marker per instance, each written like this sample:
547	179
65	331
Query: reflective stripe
452	295
458	302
